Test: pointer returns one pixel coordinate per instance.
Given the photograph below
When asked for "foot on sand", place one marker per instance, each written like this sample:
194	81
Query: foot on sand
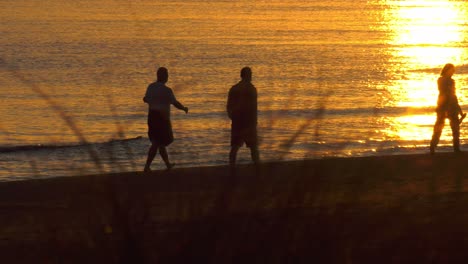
170	166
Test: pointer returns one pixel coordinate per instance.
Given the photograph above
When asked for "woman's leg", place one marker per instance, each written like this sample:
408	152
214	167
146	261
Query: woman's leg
455	125
438	126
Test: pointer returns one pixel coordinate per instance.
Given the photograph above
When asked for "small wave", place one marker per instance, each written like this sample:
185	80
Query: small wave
461	69
367	111
9	149
318	113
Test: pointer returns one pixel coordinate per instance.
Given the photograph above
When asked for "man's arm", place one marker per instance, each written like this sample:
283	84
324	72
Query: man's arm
255	95
229	104
178	105
255	103
147	97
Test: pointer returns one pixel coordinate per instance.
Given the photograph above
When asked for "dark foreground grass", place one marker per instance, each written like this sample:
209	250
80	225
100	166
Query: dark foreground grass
394	209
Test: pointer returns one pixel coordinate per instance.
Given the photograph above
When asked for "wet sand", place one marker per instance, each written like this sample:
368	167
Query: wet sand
392	209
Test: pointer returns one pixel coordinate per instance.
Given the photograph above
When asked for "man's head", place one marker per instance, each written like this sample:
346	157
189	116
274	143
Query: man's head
246	74
162	75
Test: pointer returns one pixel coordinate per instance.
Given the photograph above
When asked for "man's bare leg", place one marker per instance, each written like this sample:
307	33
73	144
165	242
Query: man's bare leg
165	157
255	155
153	150
233	155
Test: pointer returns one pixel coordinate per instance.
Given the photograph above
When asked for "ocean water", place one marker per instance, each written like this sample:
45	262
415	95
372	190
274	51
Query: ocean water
335	78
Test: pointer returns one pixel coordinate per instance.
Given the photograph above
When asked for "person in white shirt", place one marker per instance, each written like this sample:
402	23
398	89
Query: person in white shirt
159	98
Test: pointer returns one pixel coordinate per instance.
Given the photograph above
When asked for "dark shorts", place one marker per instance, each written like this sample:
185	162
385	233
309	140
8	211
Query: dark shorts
241	134
159	129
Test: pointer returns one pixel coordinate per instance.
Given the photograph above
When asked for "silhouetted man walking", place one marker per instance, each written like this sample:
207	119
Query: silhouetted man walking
242	110
159	97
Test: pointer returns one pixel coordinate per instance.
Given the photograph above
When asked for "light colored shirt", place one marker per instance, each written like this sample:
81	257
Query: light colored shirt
159	97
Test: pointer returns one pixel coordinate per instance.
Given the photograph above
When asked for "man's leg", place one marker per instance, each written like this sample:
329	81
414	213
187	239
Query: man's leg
236	143
254	154
153	150
165	157
233	155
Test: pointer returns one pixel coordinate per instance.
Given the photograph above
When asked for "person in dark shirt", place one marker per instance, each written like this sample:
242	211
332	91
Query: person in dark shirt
159	98
447	107
242	110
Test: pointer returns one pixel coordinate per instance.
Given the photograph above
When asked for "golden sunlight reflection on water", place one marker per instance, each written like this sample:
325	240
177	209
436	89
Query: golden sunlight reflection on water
425	37
410	127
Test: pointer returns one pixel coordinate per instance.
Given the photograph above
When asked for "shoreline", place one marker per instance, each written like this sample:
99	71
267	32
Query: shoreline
385	209
207	166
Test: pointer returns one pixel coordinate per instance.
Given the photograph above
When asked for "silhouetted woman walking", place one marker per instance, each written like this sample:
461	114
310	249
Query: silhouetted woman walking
447	107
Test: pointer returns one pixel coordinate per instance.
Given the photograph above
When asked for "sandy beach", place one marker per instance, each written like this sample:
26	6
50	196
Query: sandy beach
389	209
